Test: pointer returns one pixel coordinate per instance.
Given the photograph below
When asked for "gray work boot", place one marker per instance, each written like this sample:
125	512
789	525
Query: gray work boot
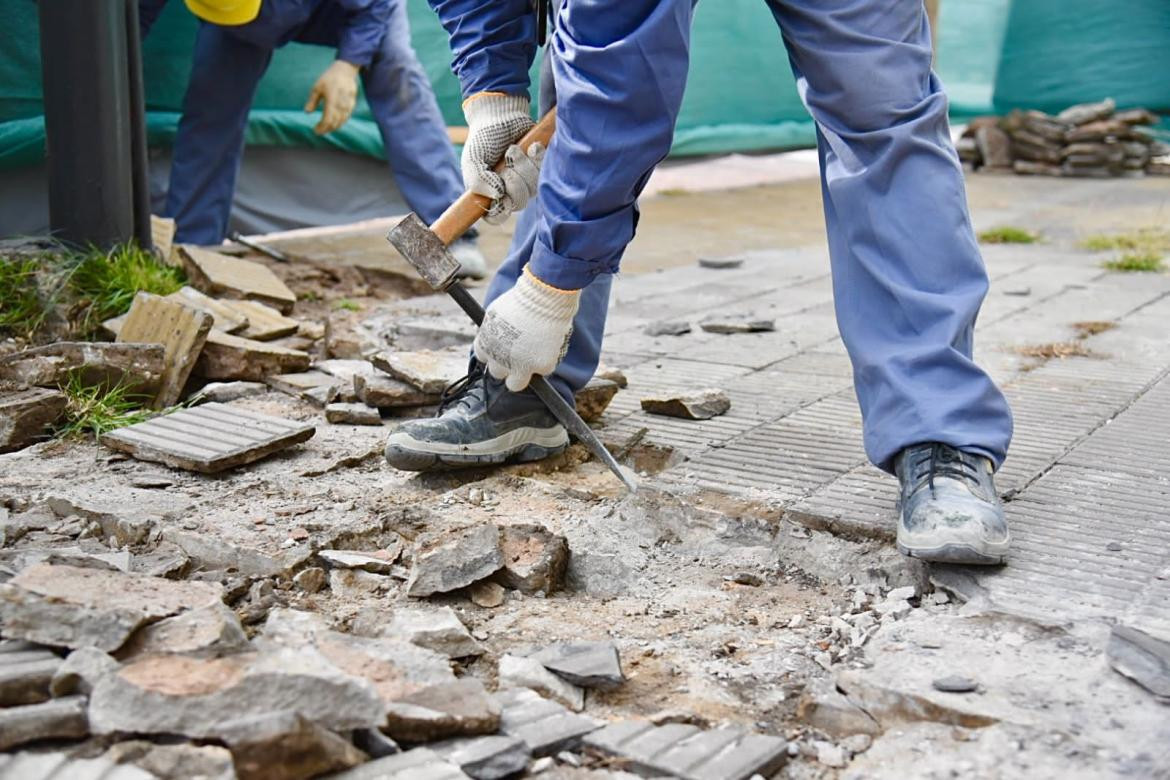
480	422
950	512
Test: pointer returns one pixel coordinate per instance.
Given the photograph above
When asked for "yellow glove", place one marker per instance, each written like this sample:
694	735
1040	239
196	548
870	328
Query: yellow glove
337	87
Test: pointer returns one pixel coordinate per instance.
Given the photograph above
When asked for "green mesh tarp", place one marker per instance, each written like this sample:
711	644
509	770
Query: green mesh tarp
740	93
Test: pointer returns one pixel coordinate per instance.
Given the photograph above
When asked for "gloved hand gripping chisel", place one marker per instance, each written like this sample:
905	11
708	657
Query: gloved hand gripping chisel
426	249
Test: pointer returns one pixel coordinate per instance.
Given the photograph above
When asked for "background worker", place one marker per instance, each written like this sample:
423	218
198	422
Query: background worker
233	47
907	274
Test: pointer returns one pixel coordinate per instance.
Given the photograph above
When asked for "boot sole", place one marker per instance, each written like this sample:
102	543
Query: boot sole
965	554
404	456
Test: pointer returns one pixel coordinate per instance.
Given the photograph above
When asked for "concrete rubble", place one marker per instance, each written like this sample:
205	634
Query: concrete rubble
352	414
26	414
742	324
593	399
520	672
586	664
437	629
181	330
693	405
137	367
427	370
454	561
534	559
222	276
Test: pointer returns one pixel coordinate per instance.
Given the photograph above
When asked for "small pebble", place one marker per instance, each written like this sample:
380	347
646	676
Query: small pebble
955	684
1113	547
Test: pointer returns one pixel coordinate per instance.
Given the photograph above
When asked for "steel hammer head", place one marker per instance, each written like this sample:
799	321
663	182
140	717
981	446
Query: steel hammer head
425	251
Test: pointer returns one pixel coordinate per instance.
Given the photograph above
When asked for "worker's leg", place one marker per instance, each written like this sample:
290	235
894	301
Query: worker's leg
908	279
206	160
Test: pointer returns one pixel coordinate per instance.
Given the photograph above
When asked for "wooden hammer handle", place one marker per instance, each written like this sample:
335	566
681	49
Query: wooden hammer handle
466	211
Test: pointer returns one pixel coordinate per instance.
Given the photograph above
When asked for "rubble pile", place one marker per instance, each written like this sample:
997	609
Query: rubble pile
1089	140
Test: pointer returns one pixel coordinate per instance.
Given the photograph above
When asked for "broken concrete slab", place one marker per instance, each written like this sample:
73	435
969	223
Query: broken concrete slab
316	387
428	370
1141	657
180	329
485	758
535	559
823	707
693	405
377	562
544	726
455	560
231	357
586	664
72	607
173	762
264	322
80	671
613	374
438	629
519	672
684	751
593	399
25	677
224	317
355	583
208	438
459	708
667	328
224	276
385	392
55	719
136	367
26	414
486	594
727	325
352	414
346	370
207	632
417	764
190	696
223	392
310	580
287	746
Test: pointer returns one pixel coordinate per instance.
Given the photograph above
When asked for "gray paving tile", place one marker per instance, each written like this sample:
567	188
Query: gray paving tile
545	726
680	750
417	764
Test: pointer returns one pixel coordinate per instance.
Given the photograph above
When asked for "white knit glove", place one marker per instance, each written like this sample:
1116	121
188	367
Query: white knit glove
495	122
526	331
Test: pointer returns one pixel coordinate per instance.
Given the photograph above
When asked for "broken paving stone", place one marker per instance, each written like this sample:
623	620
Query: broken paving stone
587	664
346	370
53	766
428	370
679	750
172	762
224	276
519	672
385	392
207	632
438	629
353	583
354	559
668	328
725	325
286	746
26	676
831	755
208	438
26	414
264	322
310	580
136	367
695	405
316	387
455	560
593	399
460	708
535	559
613	374
190	696
223	392
857	743
485	758
73	607
224	317
1141	657
181	330
544	726
232	357
824	707
352	414
81	670
55	719
374	743
486	594
417	764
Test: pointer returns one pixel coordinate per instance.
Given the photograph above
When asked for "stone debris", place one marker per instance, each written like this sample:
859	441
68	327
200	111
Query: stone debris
587	664
191	696
286	745
224	317
223	392
824	707
857	743
162	238
310	580
181	330
174	762
355	583
455	561
206	632
745	324
347	370
63	718
593	399
428	370
383	392
136	367
417	764
684	751
486	594
231	277
519	672
667	328
374	743
316	387
613	374
72	607
208	438
1141	657
26	676
831	755
459	708
544	726
26	414
694	405
485	758
535	559
436	629
352	414
264	322
59	766
232	357
955	684
80	671
378	562
720	263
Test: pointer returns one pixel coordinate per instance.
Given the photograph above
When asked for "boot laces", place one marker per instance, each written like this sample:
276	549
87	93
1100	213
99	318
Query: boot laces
943	460
460	390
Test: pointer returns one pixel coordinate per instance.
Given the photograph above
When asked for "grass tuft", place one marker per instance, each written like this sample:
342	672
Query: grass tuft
22	312
1139	262
1147	240
105	282
345	304
1008	235
94	409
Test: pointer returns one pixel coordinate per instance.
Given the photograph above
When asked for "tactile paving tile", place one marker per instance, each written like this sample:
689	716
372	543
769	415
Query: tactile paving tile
59	766
1136	442
208	438
684	751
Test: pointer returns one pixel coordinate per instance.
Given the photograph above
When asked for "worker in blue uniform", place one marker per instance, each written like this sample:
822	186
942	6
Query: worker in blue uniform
233	47
908	279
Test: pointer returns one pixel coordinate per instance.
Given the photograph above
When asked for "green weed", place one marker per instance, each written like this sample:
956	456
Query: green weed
1147	240
345	304
105	283
1136	262
95	409
1008	235
22	311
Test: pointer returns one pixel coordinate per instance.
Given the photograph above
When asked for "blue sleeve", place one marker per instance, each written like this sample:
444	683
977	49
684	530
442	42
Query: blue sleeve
494	43
148	11
364	30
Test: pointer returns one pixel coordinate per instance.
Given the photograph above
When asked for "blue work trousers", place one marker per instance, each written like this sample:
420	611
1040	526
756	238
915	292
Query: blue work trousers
228	63
908	279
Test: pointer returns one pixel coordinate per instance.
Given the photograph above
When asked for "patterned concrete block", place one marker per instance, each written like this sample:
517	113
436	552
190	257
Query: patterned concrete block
685	751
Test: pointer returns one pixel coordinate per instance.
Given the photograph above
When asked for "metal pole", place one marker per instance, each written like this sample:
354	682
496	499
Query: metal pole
139	160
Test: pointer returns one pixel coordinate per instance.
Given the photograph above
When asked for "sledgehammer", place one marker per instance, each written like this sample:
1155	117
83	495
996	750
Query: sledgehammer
426	249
